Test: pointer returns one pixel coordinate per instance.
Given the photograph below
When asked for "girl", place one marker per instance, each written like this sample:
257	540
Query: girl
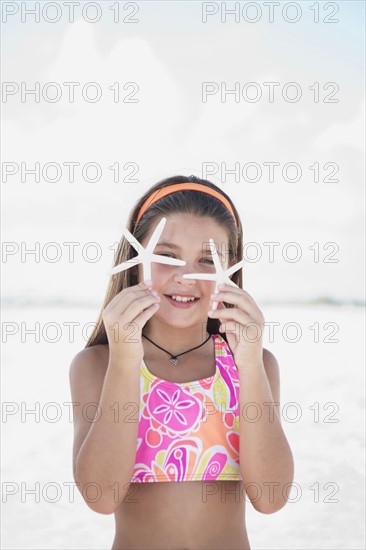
187	426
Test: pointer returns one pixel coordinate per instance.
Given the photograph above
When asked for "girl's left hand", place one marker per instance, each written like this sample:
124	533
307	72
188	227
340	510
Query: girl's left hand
243	325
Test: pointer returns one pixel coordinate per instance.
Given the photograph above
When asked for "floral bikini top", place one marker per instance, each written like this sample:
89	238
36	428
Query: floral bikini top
189	431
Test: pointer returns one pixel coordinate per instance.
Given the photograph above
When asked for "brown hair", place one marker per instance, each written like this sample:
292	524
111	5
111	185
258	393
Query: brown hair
190	202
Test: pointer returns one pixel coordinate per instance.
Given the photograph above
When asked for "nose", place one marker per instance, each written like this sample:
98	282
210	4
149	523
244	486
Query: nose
182	270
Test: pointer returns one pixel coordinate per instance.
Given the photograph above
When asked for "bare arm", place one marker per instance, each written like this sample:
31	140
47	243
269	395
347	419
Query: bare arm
105	441
266	459
106	435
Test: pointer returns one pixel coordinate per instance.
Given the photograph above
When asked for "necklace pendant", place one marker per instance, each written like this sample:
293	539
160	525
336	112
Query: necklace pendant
174	360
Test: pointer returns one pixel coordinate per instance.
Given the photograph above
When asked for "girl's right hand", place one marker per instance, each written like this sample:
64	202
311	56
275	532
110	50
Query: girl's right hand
124	318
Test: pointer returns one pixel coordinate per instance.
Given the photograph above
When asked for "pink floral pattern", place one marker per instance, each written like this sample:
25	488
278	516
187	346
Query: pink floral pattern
189	431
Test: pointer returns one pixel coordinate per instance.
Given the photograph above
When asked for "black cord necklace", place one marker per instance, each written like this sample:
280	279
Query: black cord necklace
174	358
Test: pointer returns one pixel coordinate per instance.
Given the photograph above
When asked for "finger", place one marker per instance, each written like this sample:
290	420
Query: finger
231	314
128	294
142	319
238	299
250	331
236	290
136	306
147	283
231	327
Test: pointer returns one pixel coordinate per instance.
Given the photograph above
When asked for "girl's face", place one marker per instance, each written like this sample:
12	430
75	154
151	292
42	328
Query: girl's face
186	237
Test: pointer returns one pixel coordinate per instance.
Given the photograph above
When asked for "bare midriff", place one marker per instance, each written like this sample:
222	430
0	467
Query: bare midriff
182	515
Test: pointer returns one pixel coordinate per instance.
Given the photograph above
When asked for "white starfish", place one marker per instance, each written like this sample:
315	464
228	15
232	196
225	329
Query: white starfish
146	255
221	275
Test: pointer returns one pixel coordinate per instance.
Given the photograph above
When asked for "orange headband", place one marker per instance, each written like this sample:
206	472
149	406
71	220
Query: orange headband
164	191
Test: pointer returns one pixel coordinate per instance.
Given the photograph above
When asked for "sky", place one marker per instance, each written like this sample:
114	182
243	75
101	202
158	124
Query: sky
163	62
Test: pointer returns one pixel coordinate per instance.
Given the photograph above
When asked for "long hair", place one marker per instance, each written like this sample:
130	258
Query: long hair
185	202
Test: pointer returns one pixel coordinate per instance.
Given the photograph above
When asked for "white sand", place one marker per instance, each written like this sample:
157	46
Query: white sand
40	452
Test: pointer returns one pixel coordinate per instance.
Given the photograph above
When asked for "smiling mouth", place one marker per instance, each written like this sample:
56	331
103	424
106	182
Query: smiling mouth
180	303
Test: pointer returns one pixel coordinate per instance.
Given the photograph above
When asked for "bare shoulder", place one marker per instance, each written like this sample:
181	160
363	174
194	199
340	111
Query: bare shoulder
90	363
86	373
269	360
273	373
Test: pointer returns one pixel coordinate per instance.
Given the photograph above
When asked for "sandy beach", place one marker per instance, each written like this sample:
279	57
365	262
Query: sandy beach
322	413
